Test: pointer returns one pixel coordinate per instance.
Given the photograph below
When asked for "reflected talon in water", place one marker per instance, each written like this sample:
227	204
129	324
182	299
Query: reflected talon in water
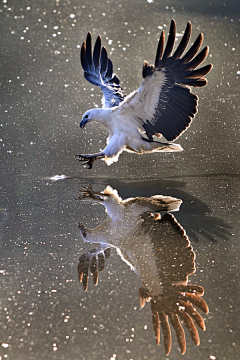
151	241
88	193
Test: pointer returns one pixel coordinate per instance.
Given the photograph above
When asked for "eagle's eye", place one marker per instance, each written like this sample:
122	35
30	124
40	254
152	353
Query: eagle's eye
86	117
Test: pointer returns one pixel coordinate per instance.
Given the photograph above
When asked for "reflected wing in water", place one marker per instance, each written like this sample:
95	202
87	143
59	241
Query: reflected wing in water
93	261
151	241
175	299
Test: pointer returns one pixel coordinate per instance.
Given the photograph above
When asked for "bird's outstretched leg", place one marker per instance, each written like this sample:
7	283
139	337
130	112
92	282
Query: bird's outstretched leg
89	159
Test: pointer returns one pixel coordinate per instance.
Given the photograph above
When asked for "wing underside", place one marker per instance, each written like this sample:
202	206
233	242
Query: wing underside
98	70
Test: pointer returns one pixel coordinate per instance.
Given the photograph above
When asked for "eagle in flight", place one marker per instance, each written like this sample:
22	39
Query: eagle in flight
163	106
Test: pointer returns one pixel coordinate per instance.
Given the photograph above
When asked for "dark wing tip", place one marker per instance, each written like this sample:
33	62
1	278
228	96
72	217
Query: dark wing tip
96	52
173	25
193	49
160	48
109	73
171	40
89	49
104	61
89	39
83	57
184	42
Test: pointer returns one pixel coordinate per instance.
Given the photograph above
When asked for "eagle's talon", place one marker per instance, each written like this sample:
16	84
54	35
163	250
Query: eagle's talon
82	157
88	160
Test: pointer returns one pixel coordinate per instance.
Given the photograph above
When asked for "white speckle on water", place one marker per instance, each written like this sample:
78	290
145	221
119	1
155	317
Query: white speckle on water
72	16
5	345
58	177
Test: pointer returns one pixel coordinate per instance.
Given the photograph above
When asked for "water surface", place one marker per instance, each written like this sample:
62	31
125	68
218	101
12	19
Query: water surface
44	311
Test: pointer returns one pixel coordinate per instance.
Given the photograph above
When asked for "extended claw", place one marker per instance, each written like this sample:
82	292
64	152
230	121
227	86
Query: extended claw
88	160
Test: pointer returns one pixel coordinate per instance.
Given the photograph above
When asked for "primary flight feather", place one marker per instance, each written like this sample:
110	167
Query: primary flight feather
163	106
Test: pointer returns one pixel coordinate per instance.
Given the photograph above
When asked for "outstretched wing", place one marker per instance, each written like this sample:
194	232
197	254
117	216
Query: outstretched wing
98	70
156	203
175	260
94	261
164	104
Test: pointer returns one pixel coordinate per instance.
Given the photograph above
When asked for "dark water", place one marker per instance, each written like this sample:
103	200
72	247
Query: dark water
44	312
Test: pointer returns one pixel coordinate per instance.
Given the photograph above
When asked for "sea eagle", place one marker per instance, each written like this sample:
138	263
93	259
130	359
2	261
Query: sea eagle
151	241
163	106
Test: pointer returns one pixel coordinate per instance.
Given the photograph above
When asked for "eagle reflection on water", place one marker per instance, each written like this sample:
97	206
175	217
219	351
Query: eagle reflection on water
151	241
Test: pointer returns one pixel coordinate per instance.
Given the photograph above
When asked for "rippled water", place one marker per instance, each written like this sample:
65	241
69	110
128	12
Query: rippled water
44	311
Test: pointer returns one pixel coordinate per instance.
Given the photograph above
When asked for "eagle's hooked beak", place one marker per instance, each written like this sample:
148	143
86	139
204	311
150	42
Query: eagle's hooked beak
83	123
85	120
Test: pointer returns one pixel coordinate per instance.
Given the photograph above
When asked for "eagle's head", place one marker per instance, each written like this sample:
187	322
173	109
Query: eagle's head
99	115
87	116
